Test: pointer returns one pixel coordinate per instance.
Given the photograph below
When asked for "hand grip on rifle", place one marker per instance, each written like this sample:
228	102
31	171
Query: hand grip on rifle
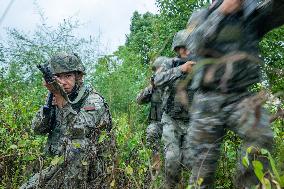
48	108
48	105
180	61
50	80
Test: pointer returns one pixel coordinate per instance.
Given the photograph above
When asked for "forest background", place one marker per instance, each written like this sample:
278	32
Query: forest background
118	77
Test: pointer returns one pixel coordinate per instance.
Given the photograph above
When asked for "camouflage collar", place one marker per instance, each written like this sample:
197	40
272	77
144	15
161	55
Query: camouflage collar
83	93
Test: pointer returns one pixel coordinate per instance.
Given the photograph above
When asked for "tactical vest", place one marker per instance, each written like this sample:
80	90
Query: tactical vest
174	106
156	109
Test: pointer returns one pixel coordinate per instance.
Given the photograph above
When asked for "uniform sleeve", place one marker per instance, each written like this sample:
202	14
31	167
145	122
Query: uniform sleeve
205	32
162	79
41	124
144	96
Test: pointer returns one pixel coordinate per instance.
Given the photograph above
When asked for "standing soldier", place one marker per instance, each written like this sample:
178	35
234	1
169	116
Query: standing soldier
157	97
175	118
75	122
227	42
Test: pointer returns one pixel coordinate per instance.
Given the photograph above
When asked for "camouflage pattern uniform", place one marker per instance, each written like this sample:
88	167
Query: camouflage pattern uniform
79	136
175	123
223	100
175	118
157	97
154	129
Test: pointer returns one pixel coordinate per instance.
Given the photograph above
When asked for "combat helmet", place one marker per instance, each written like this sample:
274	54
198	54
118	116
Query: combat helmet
66	62
180	39
161	61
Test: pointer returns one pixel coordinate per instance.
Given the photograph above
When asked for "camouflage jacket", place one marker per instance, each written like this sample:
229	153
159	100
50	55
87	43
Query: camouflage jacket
171	78
76	136
220	36
157	97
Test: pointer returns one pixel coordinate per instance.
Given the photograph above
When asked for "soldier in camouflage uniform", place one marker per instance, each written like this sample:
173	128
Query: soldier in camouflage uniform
175	117
157	97
227	43
78	131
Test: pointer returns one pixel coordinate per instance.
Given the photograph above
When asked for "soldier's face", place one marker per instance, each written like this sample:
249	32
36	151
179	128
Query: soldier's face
182	52
67	81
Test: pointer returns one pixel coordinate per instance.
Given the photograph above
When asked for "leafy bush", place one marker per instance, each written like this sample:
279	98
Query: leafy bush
119	77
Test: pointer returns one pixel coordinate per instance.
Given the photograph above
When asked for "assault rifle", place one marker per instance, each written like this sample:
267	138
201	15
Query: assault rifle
49	79
48	105
180	61
48	109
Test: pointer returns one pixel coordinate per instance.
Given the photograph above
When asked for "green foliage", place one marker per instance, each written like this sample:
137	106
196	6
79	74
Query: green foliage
119	81
133	156
21	147
119	77
227	162
272	49
267	178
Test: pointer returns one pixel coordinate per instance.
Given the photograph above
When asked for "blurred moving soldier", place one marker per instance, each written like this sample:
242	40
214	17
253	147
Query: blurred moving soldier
227	41
157	98
74	126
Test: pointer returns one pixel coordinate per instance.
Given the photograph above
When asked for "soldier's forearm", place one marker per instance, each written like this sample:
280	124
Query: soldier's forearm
165	78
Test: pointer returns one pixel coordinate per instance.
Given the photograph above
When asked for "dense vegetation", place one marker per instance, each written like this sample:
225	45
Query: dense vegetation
119	77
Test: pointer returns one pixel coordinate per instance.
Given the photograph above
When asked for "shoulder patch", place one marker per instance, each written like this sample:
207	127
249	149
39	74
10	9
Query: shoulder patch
89	108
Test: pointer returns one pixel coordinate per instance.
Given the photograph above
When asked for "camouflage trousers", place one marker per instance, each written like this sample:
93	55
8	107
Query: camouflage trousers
212	113
75	176
153	136
69	177
37	180
174	131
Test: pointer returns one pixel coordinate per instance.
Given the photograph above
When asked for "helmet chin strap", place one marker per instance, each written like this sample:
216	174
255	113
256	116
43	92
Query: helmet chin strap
78	90
74	93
